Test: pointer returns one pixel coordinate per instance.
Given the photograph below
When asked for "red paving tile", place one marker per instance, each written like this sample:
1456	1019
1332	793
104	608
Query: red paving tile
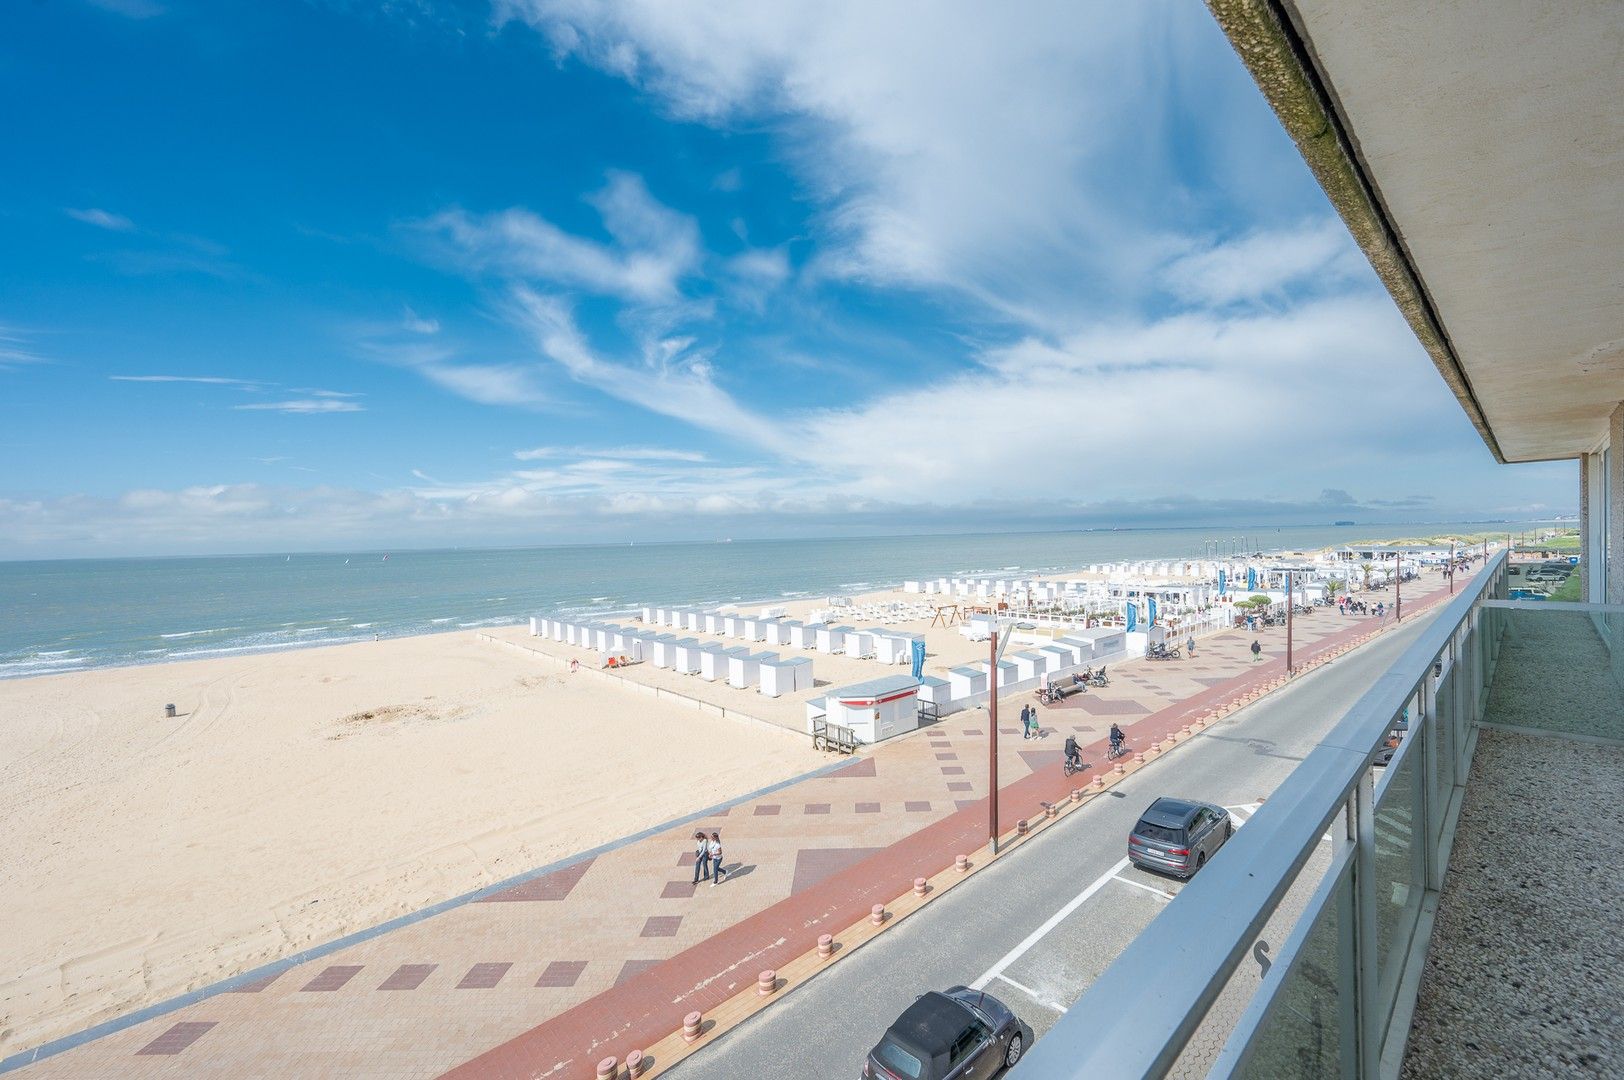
861	767
408	977
868	808
332	978
816	808
813	865
915	807
483	976
678	890
661	926
962	785
768	810
554	886
177	1038
952	770
561	973
631	969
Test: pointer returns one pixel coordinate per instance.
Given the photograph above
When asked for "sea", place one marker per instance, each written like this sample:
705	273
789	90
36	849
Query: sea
76	614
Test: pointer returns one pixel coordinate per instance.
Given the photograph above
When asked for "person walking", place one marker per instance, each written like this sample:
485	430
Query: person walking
1257	650
715	848
1026	721
1189	644
702	862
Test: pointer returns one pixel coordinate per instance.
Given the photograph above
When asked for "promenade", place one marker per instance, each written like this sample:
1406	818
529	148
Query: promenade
605	954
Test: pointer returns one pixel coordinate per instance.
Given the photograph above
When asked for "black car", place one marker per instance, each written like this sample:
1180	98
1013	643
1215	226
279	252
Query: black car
1178	836
962	1034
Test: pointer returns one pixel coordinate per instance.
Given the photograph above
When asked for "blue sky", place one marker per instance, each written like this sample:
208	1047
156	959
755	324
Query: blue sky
314	275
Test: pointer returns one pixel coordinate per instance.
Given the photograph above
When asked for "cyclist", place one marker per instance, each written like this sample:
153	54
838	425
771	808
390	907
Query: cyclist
1074	756
1116	740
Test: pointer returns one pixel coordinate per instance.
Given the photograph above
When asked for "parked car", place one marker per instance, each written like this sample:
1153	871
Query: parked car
1178	836
960	1034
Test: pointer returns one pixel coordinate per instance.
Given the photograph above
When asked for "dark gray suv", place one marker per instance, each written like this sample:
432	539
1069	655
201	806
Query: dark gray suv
1178	836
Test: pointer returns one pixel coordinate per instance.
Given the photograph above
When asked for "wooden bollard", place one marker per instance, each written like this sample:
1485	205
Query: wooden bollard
1139	759
961	863
1098	783
635	1064
826	946
921	886
1051	810
1187	730
766	982
1020	827
1120	769
876	914
691	1026
1077	793
608	1068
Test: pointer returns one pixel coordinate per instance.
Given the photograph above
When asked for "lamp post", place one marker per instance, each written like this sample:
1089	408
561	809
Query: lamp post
1451	570
996	644
1289	605
1398	589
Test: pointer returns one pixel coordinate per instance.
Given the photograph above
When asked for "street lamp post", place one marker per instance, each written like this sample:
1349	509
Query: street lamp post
1398	590
1289	605
996	645
1451	570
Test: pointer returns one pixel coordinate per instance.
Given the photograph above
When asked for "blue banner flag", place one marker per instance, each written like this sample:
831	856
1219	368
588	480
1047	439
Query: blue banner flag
1223	583
918	659
1133	616
1153	611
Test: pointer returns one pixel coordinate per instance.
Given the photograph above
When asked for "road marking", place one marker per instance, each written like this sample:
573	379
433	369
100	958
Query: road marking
1141	885
1033	994
1054	920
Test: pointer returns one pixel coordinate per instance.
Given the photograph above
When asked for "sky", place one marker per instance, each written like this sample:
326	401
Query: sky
316	275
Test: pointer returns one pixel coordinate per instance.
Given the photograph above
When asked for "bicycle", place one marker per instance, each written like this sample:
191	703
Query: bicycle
1073	766
1117	750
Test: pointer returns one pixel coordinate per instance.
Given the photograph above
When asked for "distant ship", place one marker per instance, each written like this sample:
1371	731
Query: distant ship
1344	523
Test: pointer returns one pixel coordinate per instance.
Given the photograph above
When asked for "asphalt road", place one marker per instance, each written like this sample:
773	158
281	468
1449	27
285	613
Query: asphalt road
1037	928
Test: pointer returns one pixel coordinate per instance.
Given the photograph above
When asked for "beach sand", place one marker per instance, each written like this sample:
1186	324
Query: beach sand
303	795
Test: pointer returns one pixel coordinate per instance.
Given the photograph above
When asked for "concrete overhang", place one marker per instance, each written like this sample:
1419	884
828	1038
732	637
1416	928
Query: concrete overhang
1476	152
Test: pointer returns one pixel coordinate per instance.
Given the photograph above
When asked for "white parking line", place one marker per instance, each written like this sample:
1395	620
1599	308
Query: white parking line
1141	885
1033	994
1054	920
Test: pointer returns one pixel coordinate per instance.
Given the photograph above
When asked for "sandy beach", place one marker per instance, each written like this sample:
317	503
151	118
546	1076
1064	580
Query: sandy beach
299	796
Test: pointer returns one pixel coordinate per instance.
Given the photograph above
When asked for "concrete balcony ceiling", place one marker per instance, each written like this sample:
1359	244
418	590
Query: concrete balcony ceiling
1476	152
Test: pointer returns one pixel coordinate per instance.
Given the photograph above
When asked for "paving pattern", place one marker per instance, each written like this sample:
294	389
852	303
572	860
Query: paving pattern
607	954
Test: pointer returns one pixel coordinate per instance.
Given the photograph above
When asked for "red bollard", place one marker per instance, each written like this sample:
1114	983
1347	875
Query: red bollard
876	914
766	982
691	1026
826	946
921	886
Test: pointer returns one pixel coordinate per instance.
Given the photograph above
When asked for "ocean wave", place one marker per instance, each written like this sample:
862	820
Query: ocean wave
311	629
21	669
269	646
448	618
200	633
495	599
59	652
362	625
498	621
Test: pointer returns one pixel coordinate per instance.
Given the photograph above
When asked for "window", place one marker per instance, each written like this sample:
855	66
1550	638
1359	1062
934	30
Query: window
898	1060
966	1044
1161	833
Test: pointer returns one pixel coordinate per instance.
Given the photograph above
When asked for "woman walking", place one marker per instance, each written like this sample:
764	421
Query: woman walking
702	862
715	851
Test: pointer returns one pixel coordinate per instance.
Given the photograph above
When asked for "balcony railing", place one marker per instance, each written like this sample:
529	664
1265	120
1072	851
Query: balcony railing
1276	961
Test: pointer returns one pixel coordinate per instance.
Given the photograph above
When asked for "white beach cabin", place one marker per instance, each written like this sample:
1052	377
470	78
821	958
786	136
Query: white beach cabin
858	643
803	636
744	671
832	639
685	659
966	681
785	675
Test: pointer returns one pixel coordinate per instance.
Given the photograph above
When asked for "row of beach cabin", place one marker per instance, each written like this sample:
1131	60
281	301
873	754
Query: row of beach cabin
773	675
873	643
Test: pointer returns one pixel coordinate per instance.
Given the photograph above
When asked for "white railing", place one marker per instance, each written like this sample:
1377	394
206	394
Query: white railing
1335	998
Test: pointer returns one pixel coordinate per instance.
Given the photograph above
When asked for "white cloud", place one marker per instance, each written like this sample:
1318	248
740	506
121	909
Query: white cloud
1318	253
1027	162
210	380
412	323
102	219
654	247
620	453
16	349
490	384
308	406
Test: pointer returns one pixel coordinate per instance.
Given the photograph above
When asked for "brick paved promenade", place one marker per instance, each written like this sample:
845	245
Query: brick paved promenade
606	955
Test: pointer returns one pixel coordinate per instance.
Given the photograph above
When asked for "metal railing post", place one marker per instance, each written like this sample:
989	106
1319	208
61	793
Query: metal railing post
1366	978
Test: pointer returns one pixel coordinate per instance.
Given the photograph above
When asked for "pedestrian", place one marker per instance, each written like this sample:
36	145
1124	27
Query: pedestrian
715	849
702	862
1026	721
575	665
1257	650
1190	644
